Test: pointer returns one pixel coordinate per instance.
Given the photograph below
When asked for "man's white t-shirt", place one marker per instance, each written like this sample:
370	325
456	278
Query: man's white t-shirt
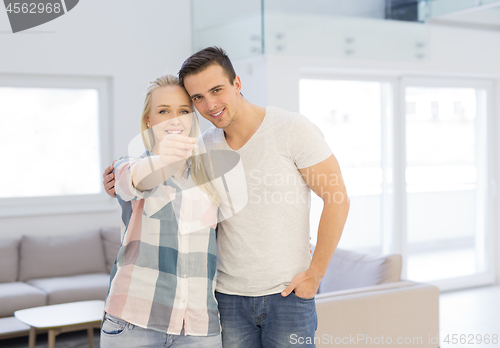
264	245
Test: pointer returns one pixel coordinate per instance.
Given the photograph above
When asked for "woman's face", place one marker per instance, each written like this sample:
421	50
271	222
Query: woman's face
170	113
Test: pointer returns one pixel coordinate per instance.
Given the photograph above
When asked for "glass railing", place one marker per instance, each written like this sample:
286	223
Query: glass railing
354	29
436	8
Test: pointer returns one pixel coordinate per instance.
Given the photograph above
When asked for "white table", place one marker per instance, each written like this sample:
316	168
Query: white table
61	318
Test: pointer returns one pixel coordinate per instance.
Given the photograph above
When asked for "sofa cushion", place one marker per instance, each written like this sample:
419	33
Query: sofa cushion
9	259
59	256
83	287
12	327
111	240
349	269
16	295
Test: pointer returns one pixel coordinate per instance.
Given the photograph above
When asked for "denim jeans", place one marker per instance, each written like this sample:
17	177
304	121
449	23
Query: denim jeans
270	321
117	333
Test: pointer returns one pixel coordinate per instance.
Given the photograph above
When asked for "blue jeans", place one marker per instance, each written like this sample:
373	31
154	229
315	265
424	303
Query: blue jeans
116	332
270	321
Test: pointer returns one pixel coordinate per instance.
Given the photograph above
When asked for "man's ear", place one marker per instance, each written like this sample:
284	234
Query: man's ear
237	84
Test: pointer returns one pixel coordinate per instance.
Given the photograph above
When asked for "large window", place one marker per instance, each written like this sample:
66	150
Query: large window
52	144
414	156
355	119
446	178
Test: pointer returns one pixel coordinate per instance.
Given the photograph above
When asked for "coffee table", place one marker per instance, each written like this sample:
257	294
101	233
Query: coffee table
61	318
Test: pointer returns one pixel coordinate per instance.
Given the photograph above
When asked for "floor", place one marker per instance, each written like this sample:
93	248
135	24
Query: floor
65	340
472	313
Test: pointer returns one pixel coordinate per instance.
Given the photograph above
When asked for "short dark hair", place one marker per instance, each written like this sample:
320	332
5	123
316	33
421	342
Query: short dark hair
205	58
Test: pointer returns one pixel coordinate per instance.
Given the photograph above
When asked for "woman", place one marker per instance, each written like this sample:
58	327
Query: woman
162	284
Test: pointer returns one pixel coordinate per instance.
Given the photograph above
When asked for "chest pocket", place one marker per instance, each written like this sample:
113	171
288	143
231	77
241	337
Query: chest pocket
158	208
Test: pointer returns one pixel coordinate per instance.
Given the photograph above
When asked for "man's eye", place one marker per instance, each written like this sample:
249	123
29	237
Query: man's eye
216	90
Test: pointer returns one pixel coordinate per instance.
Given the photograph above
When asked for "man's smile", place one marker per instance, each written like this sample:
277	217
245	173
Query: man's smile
217	114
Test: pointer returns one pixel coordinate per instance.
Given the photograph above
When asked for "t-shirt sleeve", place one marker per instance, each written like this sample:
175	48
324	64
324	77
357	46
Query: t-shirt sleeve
306	143
124	189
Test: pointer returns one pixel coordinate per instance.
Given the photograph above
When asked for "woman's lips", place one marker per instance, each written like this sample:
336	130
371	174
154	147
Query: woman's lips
174	131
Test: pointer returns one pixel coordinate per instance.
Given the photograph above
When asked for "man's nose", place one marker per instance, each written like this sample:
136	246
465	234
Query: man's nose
211	104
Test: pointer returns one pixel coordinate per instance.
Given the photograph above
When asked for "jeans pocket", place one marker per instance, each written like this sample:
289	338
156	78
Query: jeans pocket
112	325
301	298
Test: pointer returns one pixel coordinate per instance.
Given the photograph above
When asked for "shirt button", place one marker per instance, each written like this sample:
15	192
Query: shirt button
184	276
185	252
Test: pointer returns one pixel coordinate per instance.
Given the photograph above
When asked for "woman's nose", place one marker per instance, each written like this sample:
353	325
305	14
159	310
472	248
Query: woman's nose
174	120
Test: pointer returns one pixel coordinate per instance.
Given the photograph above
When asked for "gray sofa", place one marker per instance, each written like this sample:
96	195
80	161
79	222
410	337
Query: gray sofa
45	270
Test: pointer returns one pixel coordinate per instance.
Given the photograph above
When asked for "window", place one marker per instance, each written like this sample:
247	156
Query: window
417	177
52	144
354	116
446	179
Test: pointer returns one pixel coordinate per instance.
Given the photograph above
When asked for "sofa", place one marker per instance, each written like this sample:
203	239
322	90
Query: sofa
45	270
362	301
361	297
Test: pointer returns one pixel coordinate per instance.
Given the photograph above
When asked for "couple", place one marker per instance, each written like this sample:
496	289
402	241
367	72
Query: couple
164	291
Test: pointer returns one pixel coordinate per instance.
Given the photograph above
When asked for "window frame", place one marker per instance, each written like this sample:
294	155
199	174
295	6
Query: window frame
67	204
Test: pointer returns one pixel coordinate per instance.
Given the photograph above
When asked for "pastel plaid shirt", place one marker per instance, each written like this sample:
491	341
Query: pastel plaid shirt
165	273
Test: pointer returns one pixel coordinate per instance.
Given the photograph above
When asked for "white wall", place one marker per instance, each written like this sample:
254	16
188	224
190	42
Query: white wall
128	41
451	52
253	75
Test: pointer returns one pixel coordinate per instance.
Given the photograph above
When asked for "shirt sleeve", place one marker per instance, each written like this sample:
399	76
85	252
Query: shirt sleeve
124	189
306	143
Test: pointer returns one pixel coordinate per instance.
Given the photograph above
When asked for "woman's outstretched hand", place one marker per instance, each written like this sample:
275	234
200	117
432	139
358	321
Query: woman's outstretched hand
172	153
176	147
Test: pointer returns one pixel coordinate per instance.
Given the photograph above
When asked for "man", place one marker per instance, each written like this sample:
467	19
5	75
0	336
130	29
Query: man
266	279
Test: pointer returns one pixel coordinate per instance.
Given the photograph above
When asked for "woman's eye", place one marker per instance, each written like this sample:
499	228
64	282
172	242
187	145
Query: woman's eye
184	112
163	111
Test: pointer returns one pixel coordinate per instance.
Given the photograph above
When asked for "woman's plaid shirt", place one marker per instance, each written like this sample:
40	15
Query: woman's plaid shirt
165	272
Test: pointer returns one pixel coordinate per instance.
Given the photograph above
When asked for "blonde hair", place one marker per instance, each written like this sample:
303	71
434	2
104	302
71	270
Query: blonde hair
198	171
